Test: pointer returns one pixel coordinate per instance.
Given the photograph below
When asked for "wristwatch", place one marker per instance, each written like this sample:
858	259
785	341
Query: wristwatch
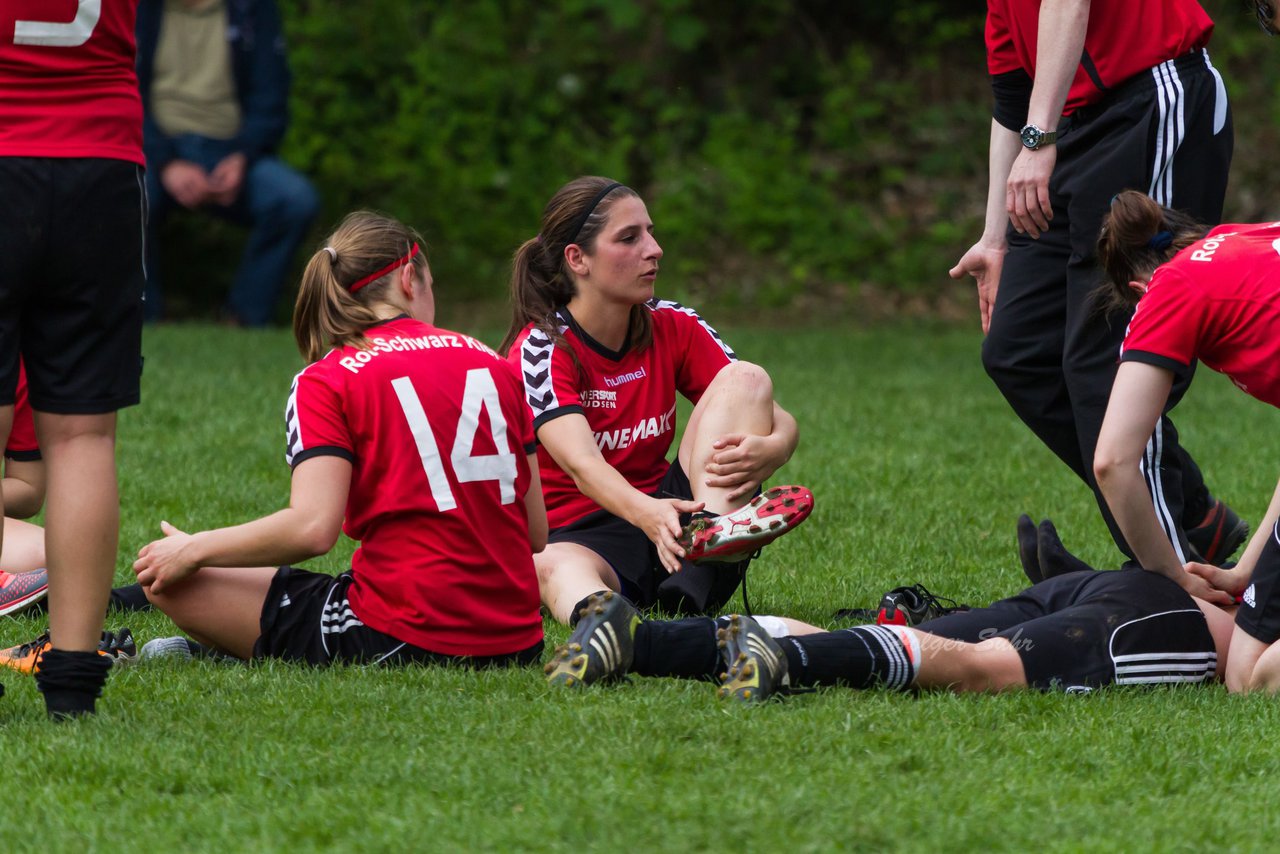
1033	137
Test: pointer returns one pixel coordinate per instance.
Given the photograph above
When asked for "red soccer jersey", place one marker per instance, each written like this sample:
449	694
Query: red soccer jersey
22	443
1218	301
67	81
629	398
1124	38
436	428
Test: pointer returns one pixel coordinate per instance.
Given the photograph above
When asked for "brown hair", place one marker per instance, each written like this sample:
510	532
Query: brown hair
327	314
541	282
1138	235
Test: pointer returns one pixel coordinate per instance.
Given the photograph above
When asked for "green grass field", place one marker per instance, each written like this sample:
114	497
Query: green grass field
919	469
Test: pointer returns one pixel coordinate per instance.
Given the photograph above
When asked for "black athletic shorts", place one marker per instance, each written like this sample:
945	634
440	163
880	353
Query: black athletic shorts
71	281
306	617
1259	612
1083	630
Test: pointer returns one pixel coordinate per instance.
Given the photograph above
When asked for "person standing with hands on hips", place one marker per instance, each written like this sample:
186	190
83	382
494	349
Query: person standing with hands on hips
1092	98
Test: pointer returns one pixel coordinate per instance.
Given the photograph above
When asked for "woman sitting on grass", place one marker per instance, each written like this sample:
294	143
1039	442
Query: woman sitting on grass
602	360
1213	296
414	440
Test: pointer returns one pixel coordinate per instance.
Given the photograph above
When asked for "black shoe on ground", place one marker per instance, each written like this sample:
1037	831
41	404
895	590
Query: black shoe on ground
1219	534
602	645
911	606
755	665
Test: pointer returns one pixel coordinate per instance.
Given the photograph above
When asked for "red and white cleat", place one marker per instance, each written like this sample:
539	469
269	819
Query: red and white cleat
740	534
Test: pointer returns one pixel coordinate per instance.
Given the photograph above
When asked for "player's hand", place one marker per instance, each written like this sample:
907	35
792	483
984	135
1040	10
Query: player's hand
227	178
983	261
660	521
741	462
1197	586
164	562
1027	190
186	182
1230	581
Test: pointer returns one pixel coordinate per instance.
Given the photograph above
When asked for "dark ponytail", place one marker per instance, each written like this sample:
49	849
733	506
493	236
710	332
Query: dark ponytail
541	282
1138	235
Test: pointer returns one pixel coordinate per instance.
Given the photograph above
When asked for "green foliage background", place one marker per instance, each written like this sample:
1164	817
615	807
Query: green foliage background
792	151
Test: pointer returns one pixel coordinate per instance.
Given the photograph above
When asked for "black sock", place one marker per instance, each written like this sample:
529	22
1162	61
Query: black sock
130	598
1027	553
860	657
71	682
1054	558
681	648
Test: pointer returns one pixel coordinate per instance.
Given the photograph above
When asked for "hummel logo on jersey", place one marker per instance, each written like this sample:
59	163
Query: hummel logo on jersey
646	428
614	382
1250	598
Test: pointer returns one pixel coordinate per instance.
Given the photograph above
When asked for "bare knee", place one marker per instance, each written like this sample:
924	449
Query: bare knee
745	381
989	666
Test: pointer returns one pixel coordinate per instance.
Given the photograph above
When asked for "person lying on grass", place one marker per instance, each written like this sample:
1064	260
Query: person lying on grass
1206	295
602	361
1075	631
414	440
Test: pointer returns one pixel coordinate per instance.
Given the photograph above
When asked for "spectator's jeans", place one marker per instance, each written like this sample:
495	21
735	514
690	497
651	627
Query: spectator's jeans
276	203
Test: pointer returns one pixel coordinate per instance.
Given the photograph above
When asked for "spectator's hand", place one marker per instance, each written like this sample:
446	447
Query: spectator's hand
1027	191
227	178
163	561
984	262
742	462
660	521
1230	581
186	182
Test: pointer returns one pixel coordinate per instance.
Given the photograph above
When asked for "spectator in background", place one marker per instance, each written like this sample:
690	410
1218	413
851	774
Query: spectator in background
215	85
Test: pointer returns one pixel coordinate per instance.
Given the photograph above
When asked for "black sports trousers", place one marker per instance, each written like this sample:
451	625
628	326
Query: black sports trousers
1049	349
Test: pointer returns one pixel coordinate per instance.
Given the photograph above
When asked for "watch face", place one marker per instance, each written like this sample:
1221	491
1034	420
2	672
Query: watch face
1031	136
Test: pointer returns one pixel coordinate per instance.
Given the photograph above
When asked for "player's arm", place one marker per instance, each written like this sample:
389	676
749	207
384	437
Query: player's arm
535	508
1138	398
570	441
23	485
1059	46
308	527
1236	579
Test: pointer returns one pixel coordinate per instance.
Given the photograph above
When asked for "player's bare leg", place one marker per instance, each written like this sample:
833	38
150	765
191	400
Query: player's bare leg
218	606
739	400
567	574
82	524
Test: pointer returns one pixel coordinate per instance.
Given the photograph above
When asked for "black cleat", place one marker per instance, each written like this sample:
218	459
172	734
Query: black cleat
1219	534
756	665
602	645
911	606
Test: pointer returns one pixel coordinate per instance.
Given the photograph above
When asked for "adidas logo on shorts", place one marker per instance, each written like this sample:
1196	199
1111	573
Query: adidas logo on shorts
1249	597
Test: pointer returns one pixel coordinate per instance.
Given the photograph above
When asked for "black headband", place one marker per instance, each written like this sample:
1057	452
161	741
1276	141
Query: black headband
589	210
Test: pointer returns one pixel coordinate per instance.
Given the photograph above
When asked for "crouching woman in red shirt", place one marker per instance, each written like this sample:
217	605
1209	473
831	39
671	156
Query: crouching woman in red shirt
1207	295
416	442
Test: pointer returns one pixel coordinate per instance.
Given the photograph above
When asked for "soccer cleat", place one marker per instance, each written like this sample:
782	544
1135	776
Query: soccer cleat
602	645
19	590
740	534
25	658
756	665
911	606
174	647
1219	534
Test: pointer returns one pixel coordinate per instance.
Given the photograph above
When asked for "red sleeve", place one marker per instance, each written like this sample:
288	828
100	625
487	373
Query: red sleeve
315	419
699	352
519	416
1001	56
1165	329
22	443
